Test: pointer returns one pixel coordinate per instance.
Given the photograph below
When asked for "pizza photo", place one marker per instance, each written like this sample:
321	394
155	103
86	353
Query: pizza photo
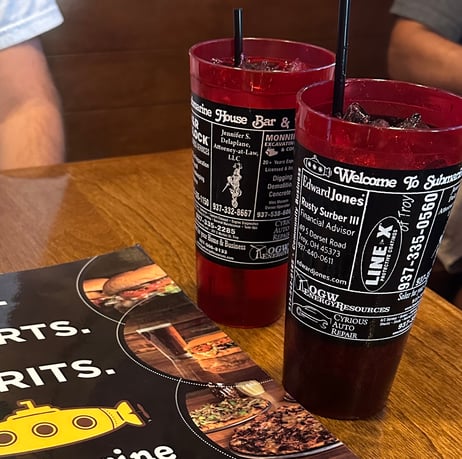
263	424
226	413
287	431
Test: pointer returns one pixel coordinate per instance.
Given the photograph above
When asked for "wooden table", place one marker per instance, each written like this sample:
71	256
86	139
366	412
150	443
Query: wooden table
62	213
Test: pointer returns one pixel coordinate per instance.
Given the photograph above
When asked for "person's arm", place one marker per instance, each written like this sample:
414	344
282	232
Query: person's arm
31	129
418	54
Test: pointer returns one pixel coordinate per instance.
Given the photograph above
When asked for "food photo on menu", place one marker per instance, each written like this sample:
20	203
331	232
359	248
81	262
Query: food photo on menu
229	400
118	293
177	340
254	419
107	363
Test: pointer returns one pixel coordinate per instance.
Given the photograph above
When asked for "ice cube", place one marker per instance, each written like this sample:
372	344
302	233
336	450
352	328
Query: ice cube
356	114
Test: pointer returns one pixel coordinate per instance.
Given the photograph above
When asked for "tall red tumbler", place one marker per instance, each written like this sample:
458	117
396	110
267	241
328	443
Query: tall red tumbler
370	207
243	136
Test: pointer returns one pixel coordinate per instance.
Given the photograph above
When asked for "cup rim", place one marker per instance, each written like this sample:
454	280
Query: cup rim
352	81
327	52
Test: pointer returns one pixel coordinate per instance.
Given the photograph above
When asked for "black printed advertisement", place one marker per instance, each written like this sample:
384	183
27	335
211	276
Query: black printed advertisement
243	162
364	244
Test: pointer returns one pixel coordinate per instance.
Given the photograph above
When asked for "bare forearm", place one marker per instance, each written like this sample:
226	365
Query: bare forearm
32	135
419	55
31	131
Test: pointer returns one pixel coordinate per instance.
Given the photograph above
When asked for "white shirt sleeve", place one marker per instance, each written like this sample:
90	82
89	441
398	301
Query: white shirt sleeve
21	20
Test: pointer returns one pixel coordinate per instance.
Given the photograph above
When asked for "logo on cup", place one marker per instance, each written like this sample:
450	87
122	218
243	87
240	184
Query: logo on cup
262	252
380	254
315	166
271	152
312	314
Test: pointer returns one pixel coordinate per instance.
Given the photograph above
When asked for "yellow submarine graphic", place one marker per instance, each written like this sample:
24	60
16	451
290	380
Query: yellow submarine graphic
35	428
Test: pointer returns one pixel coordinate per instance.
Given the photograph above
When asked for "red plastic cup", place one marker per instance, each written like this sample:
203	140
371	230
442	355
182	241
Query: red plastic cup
370	206
243	135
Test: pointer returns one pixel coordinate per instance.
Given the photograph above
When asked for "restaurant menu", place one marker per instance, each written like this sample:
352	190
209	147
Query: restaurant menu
107	358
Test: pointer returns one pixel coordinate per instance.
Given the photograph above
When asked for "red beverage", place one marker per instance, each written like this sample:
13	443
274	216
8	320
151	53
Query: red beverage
243	129
369	207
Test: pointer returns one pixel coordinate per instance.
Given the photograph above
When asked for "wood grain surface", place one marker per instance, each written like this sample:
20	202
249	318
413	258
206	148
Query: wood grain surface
62	213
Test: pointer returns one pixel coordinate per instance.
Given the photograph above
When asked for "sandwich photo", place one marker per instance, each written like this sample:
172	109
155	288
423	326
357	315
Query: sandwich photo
122	291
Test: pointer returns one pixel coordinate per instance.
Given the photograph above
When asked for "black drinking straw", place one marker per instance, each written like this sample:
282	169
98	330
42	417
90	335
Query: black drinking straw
237	36
341	58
